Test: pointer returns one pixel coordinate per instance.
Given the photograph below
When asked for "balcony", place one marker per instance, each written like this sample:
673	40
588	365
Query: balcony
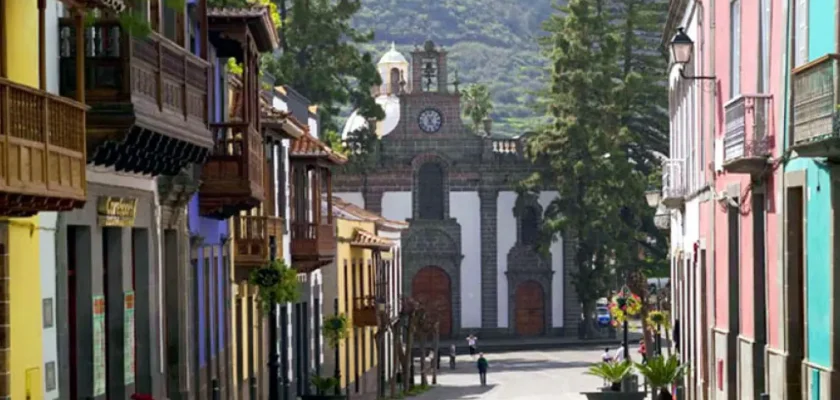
313	245
233	176
364	311
747	142
42	151
251	239
148	99
673	183
816	129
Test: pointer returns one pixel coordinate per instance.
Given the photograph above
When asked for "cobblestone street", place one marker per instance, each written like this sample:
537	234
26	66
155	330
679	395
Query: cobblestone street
525	375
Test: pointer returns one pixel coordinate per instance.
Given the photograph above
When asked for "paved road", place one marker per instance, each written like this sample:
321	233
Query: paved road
527	375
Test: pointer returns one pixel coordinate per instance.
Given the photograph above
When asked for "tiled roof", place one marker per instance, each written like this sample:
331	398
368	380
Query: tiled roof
264	31
363	238
309	146
360	212
271	116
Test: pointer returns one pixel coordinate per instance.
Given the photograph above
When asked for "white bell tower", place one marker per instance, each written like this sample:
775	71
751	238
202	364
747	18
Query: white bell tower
393	68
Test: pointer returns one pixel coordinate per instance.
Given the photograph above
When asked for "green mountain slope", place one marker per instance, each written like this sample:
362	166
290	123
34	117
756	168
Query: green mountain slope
489	41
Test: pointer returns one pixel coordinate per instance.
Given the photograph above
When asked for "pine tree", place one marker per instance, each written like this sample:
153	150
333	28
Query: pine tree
320	59
586	146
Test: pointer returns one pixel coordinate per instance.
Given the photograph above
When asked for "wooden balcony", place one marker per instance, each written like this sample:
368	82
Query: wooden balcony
816	128
42	151
148	98
747	142
251	235
313	245
232	177
364	311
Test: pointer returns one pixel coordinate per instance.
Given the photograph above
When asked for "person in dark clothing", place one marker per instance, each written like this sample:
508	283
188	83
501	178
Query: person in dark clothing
664	394
482	369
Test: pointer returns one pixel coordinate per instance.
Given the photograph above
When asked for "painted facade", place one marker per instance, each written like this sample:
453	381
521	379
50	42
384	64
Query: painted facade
722	185
456	188
809	196
366	270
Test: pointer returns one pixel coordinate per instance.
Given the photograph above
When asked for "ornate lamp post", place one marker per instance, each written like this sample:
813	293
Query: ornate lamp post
625	304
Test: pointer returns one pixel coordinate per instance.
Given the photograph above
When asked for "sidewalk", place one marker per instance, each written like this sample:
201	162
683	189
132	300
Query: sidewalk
539	343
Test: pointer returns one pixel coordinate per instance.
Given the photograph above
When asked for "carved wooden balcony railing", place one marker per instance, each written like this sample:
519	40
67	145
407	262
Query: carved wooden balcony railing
312	246
42	151
232	177
747	142
251	236
364	311
816	128
148	98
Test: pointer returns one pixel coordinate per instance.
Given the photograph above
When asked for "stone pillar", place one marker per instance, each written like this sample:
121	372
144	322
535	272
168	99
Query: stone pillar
88	277
571	301
489	263
373	200
118	267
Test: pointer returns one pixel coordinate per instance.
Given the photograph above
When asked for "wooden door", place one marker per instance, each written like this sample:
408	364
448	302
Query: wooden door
432	288
530	309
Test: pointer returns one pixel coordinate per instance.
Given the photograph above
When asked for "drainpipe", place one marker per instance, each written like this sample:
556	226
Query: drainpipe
711	259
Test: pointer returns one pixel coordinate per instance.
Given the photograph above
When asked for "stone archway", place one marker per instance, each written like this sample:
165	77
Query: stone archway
432	287
530	309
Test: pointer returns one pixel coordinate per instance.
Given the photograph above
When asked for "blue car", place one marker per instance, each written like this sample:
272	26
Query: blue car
602	314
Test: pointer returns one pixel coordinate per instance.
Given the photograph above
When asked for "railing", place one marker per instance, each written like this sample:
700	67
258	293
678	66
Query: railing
239	148
364	311
747	129
815	100
42	143
673	179
119	67
252	238
503	146
313	240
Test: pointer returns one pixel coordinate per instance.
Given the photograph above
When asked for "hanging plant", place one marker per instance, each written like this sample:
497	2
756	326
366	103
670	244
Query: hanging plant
277	283
335	329
658	319
623	305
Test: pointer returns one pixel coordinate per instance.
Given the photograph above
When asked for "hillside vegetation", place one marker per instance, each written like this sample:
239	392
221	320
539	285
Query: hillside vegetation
489	41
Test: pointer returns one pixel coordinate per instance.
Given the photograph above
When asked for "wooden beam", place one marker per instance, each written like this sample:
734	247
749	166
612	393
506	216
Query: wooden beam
42	44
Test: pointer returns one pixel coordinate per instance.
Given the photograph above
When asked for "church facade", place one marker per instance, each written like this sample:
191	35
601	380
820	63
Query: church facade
469	253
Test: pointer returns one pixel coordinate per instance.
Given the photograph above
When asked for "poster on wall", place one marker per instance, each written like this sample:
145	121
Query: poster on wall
98	345
128	328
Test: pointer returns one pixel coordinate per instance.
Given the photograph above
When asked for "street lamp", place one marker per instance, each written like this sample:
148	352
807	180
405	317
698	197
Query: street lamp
681	49
653	197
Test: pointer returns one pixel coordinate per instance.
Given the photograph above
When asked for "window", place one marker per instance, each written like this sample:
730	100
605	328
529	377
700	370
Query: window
529	225
394	82
764	45
734	48
430	193
801	38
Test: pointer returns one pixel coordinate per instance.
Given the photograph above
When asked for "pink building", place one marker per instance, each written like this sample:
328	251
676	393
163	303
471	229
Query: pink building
726	96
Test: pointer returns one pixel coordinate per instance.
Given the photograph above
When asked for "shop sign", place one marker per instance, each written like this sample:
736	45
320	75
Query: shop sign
116	211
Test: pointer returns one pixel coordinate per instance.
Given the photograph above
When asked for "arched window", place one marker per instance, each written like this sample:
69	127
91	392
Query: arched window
529	225
430	192
394	82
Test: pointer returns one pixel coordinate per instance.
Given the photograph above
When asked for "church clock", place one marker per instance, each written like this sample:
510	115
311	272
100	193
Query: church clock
430	120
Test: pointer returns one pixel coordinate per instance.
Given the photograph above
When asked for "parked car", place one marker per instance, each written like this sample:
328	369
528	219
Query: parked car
602	315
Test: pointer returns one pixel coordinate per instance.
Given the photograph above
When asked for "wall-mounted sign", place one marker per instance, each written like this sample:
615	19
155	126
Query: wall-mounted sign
116	211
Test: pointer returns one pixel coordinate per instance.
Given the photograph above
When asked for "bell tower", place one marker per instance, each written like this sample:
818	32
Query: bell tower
428	68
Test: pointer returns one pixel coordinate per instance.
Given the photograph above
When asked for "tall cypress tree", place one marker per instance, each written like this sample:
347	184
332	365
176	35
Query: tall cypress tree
586	148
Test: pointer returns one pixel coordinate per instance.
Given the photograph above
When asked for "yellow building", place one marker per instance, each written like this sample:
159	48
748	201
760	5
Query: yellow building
360	284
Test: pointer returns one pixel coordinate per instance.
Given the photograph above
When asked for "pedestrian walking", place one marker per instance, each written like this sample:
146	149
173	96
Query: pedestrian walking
471	341
452	353
619	354
643	351
482	369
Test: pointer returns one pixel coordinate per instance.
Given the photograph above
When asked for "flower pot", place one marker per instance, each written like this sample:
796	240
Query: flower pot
615	395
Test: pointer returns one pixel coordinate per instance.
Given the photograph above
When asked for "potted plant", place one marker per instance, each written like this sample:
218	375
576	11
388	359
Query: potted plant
614	373
660	372
324	385
335	329
277	283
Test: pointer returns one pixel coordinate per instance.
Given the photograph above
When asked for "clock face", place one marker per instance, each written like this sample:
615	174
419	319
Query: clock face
430	120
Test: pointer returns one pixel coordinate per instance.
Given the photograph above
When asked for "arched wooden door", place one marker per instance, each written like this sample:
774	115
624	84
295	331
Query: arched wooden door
530	309
432	288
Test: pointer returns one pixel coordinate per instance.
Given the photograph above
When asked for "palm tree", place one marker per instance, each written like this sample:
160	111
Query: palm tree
662	371
477	104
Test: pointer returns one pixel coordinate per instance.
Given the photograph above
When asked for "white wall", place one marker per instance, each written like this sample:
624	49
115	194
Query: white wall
396	206
557	266
354	198
504	242
465	207
48	220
